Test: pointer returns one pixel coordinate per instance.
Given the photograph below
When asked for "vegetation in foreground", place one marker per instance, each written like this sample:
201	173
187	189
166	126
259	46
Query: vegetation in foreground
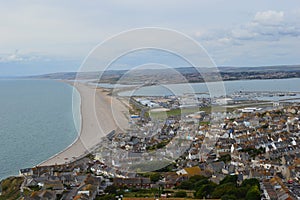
11	188
198	187
226	189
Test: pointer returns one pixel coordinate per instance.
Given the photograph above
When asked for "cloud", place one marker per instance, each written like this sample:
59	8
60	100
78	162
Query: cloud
266	26
270	17
14	57
58	30
243	34
17	57
268	37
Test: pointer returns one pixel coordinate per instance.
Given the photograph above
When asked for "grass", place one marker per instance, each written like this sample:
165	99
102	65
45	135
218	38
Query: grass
150	193
142	193
251	104
173	112
202	123
186	111
207	110
11	188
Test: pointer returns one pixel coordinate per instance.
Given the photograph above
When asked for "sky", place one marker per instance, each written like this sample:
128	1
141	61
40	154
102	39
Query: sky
38	37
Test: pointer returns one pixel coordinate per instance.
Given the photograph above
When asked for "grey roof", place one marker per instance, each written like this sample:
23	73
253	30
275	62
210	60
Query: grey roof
217	166
25	170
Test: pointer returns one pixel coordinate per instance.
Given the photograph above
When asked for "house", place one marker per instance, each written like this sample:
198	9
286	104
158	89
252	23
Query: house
54	185
268	191
216	167
280	189
189	171
139	182
171	179
217	179
29	182
26	172
240	179
86	192
224	101
43	195
229	169
81	197
258	174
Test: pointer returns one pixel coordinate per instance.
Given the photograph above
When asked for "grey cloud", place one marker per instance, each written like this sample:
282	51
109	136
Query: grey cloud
269	17
266	26
17	57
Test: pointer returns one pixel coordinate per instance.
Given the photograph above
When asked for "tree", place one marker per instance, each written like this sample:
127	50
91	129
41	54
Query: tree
200	183
228	197
205	190
241	192
225	158
180	194
226	188
186	185
106	197
197	178
229	179
111	189
154	177
250	182
253	193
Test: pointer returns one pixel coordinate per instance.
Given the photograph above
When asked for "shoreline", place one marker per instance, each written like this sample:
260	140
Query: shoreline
96	122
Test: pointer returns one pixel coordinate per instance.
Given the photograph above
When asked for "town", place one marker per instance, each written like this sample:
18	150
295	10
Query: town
190	153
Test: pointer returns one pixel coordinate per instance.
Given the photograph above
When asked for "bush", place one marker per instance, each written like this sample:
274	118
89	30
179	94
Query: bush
35	188
154	177
111	189
106	197
250	182
228	197
180	194
186	185
200	183
11	188
229	179
241	192
253	193
205	190
197	178
223	189
225	158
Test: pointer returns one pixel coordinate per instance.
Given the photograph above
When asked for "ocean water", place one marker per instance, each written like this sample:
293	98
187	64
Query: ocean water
36	122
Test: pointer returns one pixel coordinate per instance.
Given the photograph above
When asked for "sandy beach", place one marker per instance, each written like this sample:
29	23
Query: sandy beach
100	114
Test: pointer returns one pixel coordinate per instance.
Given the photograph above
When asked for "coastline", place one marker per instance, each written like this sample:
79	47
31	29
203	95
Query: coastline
96	121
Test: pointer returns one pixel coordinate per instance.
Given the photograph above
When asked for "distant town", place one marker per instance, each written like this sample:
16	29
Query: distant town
181	75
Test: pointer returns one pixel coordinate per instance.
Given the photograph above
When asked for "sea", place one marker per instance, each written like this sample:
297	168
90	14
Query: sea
38	119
